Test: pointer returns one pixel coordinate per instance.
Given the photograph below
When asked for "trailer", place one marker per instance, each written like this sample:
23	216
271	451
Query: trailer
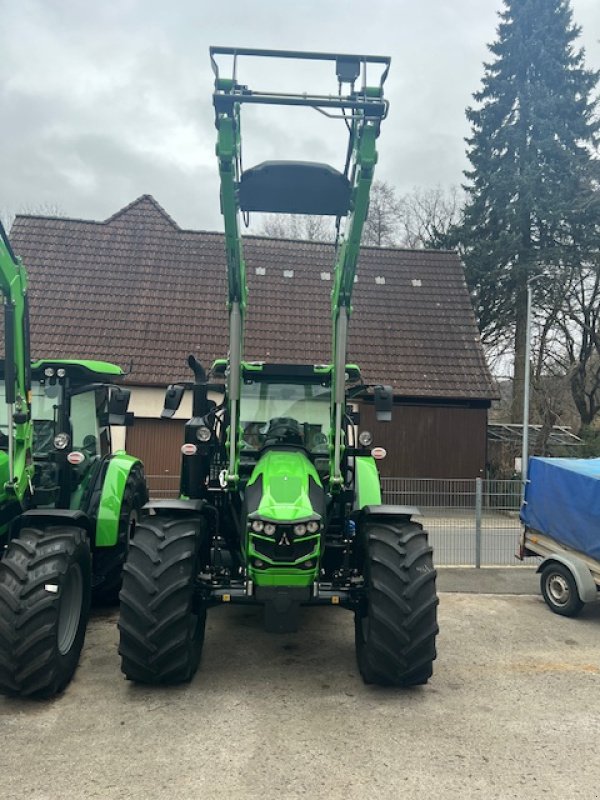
561	518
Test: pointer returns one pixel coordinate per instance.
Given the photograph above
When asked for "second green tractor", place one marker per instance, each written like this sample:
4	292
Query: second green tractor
68	504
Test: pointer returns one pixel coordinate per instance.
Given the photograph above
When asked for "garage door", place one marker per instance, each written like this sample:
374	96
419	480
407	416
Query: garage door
157	442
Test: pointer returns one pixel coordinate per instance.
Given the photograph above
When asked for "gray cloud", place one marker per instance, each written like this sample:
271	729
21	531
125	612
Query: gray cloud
103	102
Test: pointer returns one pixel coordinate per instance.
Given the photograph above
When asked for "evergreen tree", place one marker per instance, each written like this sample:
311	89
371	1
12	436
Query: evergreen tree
533	133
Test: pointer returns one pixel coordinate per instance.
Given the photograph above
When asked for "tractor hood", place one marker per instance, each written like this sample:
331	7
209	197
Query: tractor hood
285	487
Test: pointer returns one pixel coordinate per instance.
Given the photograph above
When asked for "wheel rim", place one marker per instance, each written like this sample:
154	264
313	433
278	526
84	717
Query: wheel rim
70	609
558	589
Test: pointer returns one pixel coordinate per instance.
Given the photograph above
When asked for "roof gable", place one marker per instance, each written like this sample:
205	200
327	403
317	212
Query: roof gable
144	211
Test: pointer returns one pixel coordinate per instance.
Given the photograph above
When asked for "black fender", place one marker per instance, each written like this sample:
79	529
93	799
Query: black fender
41	517
402	512
176	506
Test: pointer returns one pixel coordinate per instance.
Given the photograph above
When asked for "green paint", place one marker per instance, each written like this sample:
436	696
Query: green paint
109	510
282	577
285	483
368	488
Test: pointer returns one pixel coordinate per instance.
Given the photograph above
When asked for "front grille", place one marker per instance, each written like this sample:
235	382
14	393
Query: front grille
285	553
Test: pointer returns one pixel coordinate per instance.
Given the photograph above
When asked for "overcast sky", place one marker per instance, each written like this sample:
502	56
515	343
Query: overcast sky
101	102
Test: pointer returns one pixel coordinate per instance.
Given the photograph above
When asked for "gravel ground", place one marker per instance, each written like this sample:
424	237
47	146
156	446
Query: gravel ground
513	711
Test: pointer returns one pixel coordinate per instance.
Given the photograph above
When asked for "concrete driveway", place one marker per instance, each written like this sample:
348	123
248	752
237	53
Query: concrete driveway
513	711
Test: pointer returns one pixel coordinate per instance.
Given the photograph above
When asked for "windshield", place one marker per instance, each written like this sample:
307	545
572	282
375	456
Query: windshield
284	413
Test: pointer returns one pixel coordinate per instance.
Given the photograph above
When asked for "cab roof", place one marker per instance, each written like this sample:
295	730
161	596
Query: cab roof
77	369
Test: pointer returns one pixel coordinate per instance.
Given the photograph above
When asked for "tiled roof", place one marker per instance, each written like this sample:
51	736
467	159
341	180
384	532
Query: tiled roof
137	289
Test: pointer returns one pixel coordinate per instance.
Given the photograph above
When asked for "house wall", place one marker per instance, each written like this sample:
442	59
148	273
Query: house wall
430	441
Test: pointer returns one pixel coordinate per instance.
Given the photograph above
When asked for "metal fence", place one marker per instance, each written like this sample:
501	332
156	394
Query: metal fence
470	522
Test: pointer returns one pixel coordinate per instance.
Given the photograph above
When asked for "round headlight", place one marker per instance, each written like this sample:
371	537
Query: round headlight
300	529
61	441
365	438
61	372
269	528
203	434
257	525
49	372
312	526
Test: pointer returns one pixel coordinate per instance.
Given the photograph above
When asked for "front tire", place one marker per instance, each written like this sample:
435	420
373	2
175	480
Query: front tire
559	590
45	587
161	621
396	625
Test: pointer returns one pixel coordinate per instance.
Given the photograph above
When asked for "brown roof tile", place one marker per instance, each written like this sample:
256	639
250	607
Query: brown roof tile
137	289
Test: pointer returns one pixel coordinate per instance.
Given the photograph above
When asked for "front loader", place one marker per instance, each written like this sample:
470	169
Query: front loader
280	501
67	504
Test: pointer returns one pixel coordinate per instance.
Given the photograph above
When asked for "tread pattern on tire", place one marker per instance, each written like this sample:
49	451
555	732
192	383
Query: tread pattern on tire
398	646
161	626
108	561
30	662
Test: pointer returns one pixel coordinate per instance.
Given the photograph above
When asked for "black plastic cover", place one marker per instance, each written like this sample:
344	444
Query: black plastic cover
295	187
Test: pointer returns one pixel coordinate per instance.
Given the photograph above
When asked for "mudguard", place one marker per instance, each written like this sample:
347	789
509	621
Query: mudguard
109	508
366	482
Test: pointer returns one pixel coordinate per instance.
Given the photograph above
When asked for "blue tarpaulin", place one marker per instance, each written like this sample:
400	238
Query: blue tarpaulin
562	500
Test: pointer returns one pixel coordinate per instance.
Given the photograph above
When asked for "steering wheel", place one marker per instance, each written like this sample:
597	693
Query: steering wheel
283	430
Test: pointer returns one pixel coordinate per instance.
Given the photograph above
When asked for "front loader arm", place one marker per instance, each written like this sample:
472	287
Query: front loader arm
281	187
364	157
228	147
13	284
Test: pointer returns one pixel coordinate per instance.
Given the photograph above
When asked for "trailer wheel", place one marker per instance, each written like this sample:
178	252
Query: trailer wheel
45	587
559	590
161	622
108	561
396	626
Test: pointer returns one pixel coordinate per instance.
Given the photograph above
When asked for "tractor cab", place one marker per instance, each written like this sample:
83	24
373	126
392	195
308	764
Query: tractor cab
71	410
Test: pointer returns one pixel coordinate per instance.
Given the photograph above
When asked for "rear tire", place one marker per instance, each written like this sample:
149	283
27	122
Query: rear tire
161	621
45	586
559	590
396	626
108	561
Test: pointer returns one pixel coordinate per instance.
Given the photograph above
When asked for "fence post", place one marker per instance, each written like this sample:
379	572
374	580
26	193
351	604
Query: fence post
478	506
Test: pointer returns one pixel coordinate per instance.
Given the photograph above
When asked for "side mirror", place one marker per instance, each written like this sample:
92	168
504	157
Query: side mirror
118	401
173	397
384	401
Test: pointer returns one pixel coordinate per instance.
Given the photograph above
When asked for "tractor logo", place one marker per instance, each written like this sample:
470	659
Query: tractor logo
284	540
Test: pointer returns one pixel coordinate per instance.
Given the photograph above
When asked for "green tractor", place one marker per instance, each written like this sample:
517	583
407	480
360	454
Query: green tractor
280	501
68	506
74	406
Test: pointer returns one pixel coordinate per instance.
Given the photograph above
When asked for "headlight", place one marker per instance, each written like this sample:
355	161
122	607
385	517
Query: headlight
61	441
300	529
49	372
312	526
203	434
269	528
365	438
257	525
61	372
